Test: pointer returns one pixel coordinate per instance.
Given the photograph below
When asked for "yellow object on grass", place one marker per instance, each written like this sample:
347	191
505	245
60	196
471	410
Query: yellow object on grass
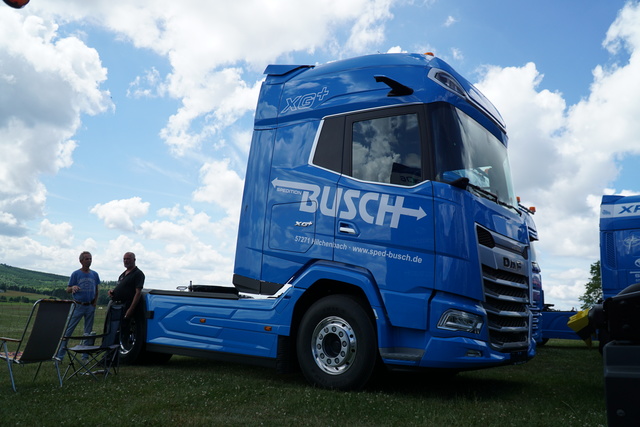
579	322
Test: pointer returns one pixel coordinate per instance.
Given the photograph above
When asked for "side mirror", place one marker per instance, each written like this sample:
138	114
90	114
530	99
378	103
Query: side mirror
460	183
454	179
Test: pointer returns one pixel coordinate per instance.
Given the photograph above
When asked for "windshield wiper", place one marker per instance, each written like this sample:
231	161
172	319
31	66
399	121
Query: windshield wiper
493	197
464	184
482	192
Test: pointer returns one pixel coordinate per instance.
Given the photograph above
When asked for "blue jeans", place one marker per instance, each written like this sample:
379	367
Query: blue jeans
79	312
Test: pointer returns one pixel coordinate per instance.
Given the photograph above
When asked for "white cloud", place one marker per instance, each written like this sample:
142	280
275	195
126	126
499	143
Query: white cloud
46	83
450	21
221	186
220	99
209	55
165	230
117	247
61	234
148	86
624	33
172	213
369	26
534	120
9	224
27	252
121	214
395	49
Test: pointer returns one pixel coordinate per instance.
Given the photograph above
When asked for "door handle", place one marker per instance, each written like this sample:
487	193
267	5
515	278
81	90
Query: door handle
347	228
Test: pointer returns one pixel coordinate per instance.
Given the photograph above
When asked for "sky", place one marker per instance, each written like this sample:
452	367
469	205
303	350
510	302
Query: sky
125	126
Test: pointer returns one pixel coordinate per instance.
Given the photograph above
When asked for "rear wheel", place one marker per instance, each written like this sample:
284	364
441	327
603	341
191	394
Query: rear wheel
337	345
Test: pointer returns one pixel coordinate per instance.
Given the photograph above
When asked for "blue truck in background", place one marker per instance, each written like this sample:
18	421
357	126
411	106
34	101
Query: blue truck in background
616	321
619	243
616	317
619	270
378	226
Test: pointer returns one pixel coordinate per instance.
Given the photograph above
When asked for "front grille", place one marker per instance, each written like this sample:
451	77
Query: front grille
504	286
509	342
500	322
485	238
504	308
506	299
504	276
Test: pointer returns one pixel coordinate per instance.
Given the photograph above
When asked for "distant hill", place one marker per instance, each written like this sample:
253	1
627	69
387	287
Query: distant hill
14	276
21	285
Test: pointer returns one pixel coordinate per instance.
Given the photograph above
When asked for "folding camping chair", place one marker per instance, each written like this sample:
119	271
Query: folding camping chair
41	338
103	358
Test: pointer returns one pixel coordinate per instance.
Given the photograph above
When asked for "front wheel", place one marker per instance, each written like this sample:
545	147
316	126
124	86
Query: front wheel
133	333
336	344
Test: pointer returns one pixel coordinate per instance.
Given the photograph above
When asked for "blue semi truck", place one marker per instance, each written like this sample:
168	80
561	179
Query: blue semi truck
378	226
619	243
616	320
619	267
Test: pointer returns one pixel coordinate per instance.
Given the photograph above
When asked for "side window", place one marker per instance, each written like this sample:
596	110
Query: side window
387	150
329	147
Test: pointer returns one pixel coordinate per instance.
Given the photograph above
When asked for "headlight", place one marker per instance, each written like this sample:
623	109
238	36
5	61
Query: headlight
456	320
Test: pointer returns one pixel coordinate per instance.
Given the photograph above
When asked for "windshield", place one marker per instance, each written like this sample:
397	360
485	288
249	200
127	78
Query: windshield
464	149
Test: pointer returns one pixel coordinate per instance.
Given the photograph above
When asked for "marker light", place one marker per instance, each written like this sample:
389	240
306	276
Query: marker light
457	320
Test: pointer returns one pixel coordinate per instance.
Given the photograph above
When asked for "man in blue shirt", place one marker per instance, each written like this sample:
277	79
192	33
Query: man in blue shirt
83	285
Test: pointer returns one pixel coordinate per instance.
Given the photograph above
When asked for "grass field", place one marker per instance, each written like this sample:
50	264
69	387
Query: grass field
562	386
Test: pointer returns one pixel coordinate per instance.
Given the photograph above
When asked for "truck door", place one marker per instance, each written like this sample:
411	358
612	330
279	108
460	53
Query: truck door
385	217
300	204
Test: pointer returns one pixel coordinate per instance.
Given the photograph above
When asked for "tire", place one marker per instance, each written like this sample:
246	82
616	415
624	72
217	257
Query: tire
337	344
133	336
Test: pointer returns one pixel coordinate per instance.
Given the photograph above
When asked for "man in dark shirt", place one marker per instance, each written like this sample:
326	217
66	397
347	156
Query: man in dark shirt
128	291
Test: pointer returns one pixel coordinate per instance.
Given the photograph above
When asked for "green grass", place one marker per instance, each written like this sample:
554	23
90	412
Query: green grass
562	386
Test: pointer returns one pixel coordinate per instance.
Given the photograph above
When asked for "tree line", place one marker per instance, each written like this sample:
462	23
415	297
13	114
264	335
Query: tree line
59	291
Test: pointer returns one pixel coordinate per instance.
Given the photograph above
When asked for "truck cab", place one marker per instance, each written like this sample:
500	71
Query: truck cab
378	223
